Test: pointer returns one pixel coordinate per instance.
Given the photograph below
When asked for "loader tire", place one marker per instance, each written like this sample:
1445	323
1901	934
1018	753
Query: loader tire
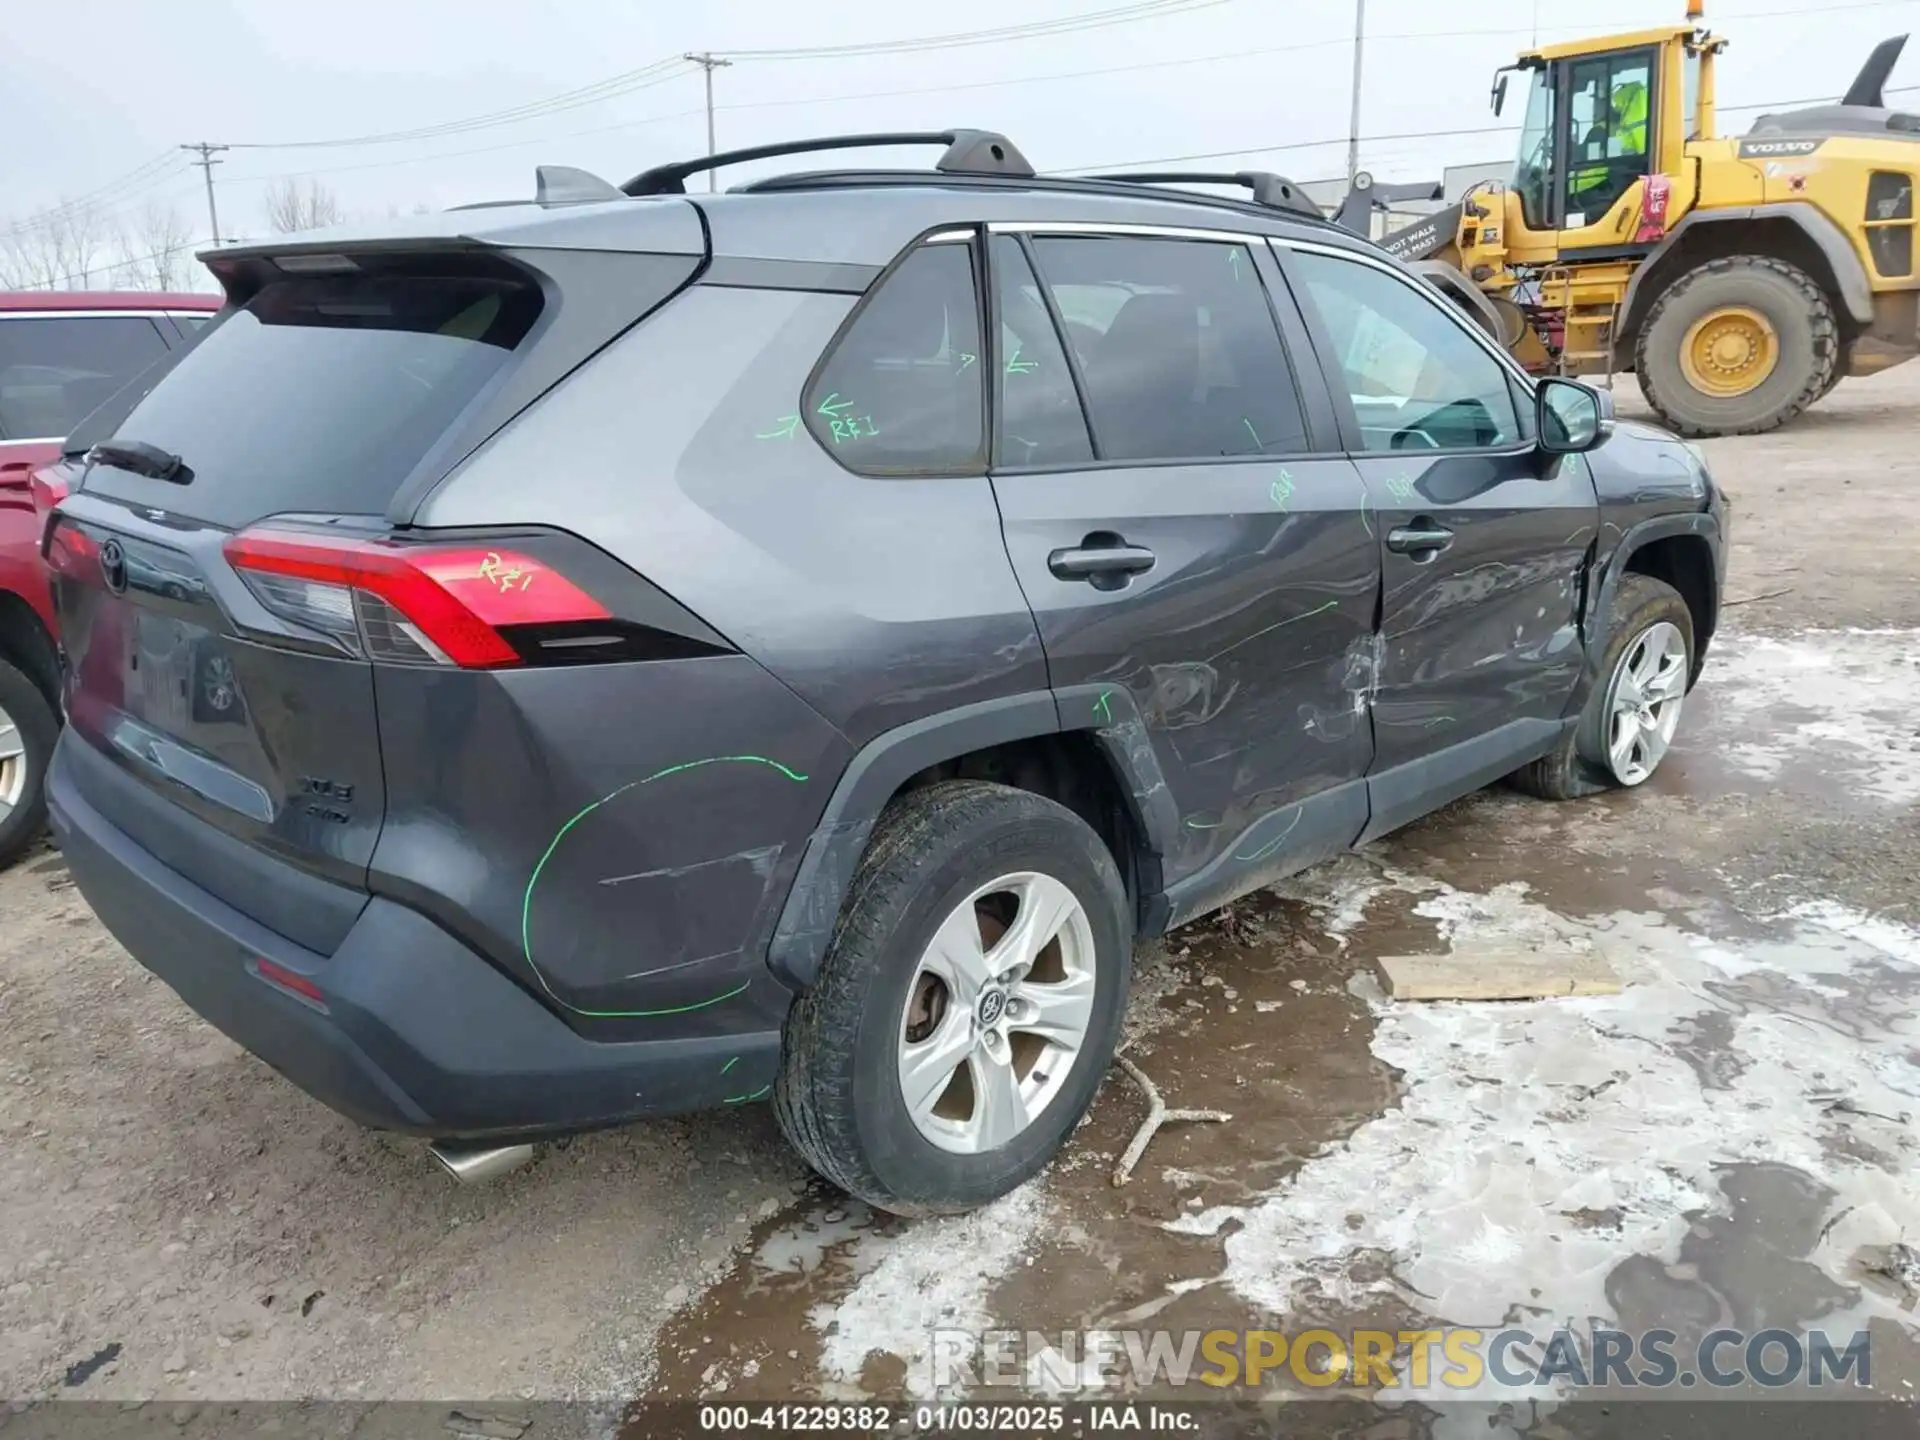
1695	385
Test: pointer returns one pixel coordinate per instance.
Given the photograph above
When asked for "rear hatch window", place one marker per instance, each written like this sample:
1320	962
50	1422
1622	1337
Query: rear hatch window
323	393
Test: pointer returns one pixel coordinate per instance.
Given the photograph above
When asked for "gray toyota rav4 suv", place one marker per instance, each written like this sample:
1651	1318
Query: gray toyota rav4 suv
637	651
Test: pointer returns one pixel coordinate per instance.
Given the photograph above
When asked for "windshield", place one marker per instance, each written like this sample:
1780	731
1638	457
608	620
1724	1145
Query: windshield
1532	175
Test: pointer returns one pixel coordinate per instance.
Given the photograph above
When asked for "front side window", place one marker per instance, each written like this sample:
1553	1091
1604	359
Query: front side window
1417	379
901	391
54	370
1178	349
1609	115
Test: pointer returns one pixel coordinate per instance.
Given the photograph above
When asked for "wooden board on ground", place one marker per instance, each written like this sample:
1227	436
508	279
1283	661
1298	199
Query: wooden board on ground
1494	974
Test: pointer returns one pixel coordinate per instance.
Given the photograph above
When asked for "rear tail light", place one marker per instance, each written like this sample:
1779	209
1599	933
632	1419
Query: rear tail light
408	604
71	551
48	487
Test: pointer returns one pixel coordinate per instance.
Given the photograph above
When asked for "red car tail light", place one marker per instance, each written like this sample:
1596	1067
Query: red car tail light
71	551
48	489
408	604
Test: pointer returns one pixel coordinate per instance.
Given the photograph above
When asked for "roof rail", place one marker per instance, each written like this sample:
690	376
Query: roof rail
968	152
1273	192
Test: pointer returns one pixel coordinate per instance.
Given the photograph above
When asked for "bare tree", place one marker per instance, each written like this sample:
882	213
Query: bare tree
155	250
55	249
291	206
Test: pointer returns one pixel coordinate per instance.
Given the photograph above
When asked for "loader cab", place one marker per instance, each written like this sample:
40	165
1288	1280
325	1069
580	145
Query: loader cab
1601	117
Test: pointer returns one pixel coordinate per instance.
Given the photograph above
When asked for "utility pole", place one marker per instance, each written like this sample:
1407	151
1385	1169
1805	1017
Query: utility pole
206	162
1353	116
709	63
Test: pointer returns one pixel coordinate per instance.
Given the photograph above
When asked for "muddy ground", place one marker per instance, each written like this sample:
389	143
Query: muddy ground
1732	1140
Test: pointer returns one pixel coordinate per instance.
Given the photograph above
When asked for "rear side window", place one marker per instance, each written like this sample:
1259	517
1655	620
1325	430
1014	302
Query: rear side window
55	369
321	394
1179	350
1039	417
901	391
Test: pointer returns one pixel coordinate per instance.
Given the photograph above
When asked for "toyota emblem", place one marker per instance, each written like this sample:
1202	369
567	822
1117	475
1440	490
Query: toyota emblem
113	566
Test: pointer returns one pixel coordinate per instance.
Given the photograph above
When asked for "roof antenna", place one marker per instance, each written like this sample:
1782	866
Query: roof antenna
568	185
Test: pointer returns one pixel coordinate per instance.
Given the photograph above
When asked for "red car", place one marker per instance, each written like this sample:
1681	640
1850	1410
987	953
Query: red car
62	354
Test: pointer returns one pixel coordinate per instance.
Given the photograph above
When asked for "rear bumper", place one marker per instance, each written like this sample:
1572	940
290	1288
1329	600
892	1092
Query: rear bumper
417	1033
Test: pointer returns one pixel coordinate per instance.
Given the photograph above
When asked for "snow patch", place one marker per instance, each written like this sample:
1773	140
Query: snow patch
930	1275
1520	1120
1842	700
1340	891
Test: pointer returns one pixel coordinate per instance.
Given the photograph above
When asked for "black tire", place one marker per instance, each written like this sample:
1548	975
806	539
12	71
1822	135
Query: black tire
838	1098
1578	765
27	709
1803	320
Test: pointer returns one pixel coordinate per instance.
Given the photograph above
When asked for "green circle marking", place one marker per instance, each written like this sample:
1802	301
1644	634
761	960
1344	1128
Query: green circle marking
526	901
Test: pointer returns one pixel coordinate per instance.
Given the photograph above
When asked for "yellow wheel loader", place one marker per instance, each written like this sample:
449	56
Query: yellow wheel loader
1739	278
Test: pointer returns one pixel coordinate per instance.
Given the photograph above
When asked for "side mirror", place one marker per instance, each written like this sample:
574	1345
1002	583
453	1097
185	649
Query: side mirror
1570	417
1499	92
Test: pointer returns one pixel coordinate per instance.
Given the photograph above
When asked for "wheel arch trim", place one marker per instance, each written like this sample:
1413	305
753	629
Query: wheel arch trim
833	851
1637	538
1850	274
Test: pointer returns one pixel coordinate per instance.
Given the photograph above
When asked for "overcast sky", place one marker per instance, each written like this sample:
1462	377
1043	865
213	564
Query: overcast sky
92	89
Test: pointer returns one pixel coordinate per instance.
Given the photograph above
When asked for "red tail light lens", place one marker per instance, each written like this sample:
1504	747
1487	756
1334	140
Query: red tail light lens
71	551
408	604
48	487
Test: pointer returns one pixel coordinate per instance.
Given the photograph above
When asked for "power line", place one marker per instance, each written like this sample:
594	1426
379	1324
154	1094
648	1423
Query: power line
1064	25
626	83
107	267
671	67
147	177
1423	135
968	86
157	171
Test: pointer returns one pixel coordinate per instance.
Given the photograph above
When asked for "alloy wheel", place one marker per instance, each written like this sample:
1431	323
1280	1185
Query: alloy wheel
997	1013
1643	702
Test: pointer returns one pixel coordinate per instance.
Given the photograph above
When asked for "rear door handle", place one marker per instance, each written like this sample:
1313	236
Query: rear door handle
1100	557
1423	537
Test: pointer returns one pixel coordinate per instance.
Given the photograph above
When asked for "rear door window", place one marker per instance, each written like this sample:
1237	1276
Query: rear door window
1039	419
54	369
191	322
901	392
1179	351
321	394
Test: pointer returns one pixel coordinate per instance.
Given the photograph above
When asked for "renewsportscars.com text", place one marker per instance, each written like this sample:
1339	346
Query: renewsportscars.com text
1454	1358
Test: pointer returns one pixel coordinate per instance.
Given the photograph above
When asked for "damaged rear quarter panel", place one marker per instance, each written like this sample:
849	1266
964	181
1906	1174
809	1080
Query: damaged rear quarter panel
616	837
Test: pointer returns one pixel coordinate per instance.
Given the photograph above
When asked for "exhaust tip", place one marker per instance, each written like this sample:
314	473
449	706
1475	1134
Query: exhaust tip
477	1164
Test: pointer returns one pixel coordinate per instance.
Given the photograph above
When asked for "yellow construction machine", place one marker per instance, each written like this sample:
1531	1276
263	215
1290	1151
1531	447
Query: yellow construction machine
1739	278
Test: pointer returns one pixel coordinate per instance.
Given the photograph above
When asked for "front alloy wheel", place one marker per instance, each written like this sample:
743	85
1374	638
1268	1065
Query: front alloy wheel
1643	702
